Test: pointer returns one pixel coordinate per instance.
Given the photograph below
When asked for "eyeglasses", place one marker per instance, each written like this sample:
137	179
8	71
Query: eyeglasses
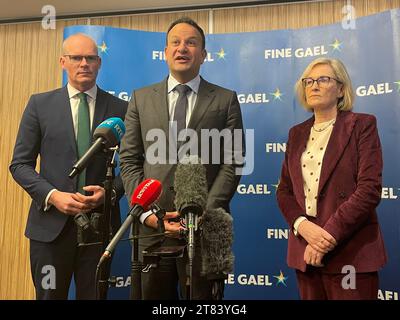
322	81
78	59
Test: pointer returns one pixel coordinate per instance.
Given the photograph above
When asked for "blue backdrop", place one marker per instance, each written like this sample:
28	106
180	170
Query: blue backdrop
262	68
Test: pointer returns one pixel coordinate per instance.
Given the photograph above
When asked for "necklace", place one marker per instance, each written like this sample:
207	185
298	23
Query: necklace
324	128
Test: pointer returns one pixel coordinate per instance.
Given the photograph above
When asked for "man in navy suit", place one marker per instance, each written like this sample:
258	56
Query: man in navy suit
49	128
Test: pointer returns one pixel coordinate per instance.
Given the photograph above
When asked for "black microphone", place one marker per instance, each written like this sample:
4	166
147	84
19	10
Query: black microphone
190	186
190	194
107	134
190	200
216	248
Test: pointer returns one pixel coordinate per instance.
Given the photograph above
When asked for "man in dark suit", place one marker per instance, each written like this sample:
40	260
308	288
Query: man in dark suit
157	108
50	127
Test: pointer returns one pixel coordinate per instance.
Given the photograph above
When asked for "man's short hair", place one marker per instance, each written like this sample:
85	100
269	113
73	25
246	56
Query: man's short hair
191	22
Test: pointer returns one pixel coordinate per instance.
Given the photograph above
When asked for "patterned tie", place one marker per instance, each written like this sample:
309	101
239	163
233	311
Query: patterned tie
181	106
83	135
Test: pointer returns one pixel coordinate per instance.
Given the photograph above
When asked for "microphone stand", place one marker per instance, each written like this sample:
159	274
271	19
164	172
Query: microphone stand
149	254
191	225
136	267
103	274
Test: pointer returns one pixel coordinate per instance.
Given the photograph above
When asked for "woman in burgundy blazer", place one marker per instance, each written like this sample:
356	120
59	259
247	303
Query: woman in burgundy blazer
329	189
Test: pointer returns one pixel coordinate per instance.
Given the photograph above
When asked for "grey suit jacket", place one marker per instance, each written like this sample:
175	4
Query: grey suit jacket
216	108
46	129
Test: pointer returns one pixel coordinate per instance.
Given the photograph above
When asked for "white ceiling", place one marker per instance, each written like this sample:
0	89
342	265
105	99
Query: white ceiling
29	9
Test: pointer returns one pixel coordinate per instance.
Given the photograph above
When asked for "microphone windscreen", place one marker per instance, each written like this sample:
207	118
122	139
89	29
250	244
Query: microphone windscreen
146	193
111	130
190	186
216	244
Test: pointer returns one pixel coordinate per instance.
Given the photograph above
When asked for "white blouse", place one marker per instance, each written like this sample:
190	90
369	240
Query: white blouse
311	163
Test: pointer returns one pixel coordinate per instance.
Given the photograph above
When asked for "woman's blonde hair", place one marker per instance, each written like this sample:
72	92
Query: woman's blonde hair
345	103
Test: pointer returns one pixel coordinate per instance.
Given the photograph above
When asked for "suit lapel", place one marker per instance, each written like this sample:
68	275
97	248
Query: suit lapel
160	105
339	139
205	97
66	115
99	109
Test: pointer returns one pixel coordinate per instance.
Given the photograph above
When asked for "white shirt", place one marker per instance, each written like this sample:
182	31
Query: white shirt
311	164
74	102
174	94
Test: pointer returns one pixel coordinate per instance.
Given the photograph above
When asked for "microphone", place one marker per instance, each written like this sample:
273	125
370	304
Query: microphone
190	186
190	194
143	197
190	200
106	135
217	256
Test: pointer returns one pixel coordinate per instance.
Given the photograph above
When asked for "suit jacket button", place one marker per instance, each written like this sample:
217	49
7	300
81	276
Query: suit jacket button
342	195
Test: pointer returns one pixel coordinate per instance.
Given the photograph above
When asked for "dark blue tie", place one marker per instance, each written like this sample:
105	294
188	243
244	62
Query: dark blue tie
181	106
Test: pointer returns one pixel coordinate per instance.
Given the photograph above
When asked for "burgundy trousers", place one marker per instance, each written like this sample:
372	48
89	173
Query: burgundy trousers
315	285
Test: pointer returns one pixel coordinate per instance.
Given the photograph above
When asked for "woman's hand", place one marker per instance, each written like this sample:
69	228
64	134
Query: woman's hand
316	237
